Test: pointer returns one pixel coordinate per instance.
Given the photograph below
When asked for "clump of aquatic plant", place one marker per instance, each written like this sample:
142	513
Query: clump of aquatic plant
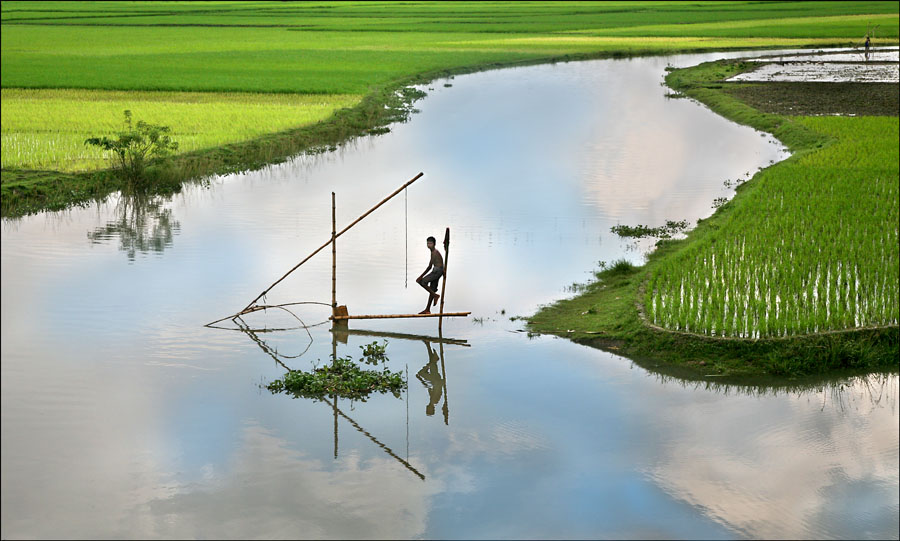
641	231
374	352
344	378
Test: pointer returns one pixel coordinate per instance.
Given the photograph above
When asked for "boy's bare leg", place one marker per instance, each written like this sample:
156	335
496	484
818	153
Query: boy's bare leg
427	309
423	286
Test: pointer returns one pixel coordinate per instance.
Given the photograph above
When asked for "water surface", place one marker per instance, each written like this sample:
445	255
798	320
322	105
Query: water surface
122	416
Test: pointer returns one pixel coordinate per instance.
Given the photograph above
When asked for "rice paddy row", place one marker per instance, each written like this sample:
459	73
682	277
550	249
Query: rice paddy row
813	248
46	128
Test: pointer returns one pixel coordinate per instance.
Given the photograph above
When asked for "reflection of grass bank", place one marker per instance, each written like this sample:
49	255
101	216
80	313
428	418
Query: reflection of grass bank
611	313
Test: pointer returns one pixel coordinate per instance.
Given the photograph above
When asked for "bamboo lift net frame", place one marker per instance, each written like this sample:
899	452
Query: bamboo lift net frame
339	315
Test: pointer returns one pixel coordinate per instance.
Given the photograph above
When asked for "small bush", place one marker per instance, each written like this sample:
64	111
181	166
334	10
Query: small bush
135	146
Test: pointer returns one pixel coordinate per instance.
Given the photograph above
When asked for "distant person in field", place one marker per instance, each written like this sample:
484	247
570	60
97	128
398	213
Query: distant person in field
429	280
868	43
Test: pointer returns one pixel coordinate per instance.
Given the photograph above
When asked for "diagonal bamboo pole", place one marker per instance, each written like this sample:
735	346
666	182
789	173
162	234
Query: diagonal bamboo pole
320	248
444	281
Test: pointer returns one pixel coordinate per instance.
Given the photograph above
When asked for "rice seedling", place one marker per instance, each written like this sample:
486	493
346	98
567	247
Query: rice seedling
812	248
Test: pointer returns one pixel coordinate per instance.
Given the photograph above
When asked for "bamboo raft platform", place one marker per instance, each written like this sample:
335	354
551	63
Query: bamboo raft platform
339	315
398	316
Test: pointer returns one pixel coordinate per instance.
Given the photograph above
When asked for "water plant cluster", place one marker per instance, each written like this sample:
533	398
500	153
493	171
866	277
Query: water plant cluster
671	228
814	247
344	378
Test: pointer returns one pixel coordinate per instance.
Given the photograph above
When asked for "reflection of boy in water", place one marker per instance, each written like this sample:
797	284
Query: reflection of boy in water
430	376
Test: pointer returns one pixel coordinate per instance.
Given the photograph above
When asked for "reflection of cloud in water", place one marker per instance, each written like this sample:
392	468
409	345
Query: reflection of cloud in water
803	477
273	489
504	440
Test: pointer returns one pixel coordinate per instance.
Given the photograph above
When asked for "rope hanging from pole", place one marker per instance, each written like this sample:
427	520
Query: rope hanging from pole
252	306
406	237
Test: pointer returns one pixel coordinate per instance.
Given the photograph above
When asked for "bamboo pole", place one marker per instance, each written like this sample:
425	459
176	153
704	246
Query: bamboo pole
444	281
320	248
333	258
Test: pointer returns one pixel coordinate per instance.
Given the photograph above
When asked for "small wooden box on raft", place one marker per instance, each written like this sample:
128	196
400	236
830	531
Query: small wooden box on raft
339	314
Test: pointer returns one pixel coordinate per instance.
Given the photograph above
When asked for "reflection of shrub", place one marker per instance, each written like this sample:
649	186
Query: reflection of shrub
343	378
135	146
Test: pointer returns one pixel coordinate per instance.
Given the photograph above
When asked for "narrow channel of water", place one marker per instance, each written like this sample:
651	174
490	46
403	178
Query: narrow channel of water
123	417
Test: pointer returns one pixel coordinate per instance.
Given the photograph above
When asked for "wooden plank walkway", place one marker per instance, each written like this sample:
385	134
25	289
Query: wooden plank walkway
397	316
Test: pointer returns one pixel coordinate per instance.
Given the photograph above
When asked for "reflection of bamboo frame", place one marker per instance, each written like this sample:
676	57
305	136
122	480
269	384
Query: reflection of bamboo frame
269	350
338	333
342	335
362	430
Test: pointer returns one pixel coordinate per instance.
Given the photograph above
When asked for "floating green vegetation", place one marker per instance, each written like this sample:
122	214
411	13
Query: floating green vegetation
641	231
343	378
813	246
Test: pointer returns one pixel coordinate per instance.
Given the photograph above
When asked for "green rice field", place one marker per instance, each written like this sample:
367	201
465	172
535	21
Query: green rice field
813	247
314	58
199	120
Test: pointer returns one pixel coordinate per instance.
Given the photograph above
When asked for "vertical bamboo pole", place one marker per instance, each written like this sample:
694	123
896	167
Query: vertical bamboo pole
444	281
333	258
320	248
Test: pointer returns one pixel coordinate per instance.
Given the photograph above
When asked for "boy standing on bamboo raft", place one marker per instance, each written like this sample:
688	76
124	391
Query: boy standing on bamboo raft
429	280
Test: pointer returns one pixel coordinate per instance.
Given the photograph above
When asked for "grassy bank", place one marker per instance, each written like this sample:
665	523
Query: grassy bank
245	84
25	191
201	120
844	216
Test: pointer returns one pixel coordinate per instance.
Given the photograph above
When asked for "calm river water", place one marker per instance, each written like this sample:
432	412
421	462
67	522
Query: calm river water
122	416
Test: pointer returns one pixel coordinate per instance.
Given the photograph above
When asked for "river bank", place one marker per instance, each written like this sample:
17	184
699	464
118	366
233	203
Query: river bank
339	52
26	191
611	312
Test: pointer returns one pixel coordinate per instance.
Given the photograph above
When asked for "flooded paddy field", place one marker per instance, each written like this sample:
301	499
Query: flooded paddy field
122	416
880	66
